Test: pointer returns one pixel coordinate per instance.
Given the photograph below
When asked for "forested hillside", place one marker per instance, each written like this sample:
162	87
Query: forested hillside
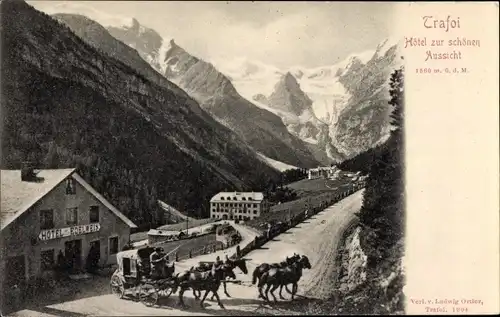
362	162
66	104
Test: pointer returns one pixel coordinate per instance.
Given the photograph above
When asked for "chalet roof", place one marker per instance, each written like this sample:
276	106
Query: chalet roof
238	196
18	196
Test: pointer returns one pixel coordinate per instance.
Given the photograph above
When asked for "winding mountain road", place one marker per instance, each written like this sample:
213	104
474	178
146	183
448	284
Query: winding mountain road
317	238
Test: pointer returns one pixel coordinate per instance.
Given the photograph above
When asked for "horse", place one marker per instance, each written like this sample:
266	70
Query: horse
264	267
209	281
232	264
277	277
228	271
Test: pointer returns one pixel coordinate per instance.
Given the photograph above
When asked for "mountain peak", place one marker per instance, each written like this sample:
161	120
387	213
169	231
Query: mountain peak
288	95
135	24
290	82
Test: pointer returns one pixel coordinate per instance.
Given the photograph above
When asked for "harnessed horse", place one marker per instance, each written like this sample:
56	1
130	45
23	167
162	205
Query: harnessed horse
228	272
265	267
208	281
279	277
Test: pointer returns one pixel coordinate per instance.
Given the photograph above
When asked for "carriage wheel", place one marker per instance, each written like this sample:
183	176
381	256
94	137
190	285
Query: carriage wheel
148	295
117	286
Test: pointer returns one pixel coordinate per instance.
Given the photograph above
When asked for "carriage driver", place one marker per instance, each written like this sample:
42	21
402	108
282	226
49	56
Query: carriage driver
218	262
157	260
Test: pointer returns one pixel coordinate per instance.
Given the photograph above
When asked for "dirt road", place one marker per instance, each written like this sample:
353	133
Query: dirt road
317	238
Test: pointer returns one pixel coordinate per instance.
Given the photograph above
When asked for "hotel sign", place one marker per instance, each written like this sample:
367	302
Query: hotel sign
67	232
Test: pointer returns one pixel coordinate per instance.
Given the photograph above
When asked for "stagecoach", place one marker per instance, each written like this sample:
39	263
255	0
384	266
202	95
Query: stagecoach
132	275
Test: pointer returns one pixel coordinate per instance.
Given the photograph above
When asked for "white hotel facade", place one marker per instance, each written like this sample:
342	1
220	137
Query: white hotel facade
238	205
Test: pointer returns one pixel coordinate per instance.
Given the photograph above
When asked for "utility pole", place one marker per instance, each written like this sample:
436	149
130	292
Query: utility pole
187	226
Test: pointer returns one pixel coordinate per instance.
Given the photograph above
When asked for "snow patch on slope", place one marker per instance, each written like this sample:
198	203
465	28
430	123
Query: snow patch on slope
280	166
162	54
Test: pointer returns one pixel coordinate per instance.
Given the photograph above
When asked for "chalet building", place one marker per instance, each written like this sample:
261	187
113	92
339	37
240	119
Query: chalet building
157	236
50	214
328	172
235	205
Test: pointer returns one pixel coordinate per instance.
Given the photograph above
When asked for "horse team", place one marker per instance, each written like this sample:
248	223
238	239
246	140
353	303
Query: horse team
208	278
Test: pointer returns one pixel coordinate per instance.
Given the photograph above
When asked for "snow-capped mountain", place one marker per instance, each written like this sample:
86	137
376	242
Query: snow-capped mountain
320	84
261	129
364	121
350	97
335	92
150	45
288	101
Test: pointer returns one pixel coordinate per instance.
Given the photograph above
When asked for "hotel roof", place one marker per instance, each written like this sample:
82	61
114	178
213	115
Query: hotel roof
238	196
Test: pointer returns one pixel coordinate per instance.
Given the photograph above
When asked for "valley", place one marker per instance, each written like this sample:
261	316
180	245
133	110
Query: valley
140	131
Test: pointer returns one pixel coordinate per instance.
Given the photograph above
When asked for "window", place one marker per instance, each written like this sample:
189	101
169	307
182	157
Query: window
222	198
113	245
72	216
250	198
46	219
254	205
94	214
70	186
243	198
255	212
234	198
47	258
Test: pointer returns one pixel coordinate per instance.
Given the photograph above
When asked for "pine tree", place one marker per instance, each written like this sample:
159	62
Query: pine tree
382	214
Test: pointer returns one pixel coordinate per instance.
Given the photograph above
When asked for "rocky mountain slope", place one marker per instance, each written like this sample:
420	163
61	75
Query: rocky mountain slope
66	103
146	41
99	37
289	102
288	98
348	96
262	130
364	121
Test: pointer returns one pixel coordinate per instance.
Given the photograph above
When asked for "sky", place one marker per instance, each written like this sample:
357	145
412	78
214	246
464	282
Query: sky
283	34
